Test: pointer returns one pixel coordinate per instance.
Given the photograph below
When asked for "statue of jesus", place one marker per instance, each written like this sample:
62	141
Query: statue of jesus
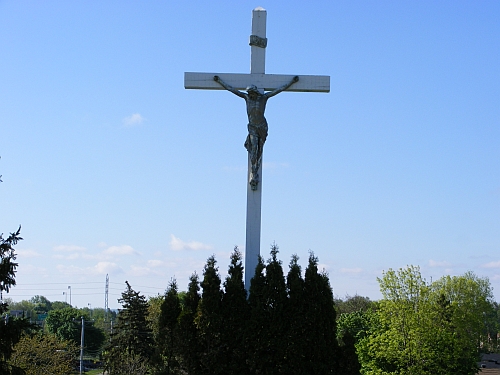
257	124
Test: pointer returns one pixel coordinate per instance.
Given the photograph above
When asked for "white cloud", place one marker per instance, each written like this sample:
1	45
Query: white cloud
351	271
177	244
140	271
323	267
155	263
70	270
433	263
71	256
103	268
133	120
120	250
30	269
69	248
492	265
28	254
100	268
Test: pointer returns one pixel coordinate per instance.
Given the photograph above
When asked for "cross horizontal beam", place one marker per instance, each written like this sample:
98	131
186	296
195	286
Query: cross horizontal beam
268	82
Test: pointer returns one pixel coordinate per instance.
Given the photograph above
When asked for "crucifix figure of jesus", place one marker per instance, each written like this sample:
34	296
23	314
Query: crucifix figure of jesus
257	123
256	84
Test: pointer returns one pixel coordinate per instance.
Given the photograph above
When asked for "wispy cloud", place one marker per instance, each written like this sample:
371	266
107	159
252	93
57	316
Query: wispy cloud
177	244
69	248
101	268
70	256
30	269
323	267
155	263
140	271
120	250
433	263
351	271
492	265
133	120
28	253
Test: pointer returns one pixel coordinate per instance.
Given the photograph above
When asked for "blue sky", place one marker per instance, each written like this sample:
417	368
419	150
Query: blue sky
112	167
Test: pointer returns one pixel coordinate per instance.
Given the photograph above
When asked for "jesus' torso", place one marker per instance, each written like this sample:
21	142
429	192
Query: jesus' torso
256	108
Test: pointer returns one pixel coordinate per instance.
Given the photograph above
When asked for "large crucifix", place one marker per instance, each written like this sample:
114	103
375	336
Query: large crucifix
256	84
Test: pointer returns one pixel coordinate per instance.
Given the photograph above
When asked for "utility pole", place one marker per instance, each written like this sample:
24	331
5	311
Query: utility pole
106	306
81	346
69	287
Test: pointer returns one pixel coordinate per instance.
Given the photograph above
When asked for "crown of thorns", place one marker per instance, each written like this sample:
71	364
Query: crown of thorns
252	88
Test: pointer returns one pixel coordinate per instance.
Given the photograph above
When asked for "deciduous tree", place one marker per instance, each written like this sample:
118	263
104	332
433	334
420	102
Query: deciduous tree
44	354
66	324
426	329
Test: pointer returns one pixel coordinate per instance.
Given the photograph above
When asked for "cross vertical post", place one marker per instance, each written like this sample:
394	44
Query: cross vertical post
258	43
273	83
258	51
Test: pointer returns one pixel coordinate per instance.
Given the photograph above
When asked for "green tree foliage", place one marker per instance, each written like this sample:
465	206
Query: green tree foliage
58	305
267	327
25	306
10	329
188	345
351	328
7	262
153	317
102	320
168	332
352	304
321	342
209	319
44	354
465	305
296	325
491	342
130	363
66	324
287	325
41	304
235	315
131	344
426	329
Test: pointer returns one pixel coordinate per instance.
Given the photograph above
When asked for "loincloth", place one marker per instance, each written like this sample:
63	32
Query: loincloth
259	130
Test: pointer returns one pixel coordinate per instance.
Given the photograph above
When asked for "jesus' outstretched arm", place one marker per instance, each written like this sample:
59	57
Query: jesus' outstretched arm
282	88
229	88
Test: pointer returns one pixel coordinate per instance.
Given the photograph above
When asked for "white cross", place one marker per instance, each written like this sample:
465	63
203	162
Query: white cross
264	82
